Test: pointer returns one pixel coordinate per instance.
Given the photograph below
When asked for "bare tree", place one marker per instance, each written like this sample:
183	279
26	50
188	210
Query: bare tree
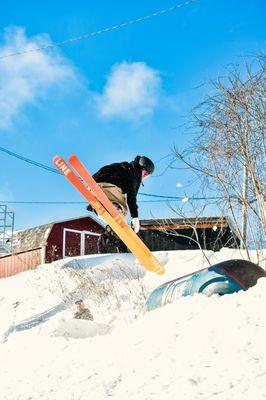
229	149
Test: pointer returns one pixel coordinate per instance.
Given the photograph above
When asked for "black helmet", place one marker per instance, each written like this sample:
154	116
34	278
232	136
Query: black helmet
146	164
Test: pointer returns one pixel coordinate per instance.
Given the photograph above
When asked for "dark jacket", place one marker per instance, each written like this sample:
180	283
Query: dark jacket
127	176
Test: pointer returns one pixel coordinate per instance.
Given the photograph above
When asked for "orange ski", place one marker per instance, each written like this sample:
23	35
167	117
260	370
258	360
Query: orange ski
101	196
149	262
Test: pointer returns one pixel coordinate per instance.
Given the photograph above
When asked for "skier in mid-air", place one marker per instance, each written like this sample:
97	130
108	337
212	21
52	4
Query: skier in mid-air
121	181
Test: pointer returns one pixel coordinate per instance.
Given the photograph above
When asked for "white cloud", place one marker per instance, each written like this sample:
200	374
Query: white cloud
25	78
131	91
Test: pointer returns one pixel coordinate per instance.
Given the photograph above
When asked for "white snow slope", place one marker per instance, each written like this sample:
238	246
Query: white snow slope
197	348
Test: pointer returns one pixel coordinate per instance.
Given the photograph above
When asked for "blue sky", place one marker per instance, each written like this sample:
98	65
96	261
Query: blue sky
111	97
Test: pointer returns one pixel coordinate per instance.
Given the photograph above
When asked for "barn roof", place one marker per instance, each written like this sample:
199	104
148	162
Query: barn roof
35	238
30	239
186	223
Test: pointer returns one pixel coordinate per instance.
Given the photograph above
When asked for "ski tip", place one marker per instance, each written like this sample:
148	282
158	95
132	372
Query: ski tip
55	158
72	157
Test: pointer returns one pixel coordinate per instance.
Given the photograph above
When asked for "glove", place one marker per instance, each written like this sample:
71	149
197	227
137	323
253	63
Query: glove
135	224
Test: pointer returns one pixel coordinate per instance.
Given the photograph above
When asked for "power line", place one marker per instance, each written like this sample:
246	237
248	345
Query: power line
42	202
28	160
101	31
46	167
50	169
66	202
182	197
158	200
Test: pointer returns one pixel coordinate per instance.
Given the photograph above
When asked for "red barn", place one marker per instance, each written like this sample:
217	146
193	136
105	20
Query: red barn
50	242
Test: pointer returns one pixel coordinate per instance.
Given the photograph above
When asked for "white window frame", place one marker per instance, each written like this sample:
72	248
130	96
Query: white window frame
82	239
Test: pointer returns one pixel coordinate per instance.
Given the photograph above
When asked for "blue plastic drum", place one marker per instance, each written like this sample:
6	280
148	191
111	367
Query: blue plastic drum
223	278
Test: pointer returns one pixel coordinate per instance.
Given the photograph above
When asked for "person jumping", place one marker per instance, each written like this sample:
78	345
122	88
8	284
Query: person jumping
121	181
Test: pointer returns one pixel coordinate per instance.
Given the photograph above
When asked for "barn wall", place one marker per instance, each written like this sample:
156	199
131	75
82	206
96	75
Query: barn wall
186	239
54	247
15	263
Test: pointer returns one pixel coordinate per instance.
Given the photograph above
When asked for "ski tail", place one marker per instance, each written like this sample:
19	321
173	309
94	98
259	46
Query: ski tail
149	262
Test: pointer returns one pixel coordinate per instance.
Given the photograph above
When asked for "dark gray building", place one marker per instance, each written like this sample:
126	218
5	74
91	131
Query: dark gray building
209	233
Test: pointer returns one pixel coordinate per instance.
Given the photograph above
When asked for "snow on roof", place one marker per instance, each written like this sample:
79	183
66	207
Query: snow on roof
30	239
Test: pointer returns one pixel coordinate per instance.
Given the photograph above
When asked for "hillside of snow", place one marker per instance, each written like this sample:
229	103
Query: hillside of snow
197	348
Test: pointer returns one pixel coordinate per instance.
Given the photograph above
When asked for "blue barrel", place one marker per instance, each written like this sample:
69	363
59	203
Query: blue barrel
223	278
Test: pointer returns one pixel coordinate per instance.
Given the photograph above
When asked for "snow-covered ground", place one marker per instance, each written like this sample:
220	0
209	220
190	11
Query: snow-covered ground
197	348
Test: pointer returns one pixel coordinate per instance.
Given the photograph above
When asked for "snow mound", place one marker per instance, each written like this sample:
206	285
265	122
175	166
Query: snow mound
79	328
196	348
